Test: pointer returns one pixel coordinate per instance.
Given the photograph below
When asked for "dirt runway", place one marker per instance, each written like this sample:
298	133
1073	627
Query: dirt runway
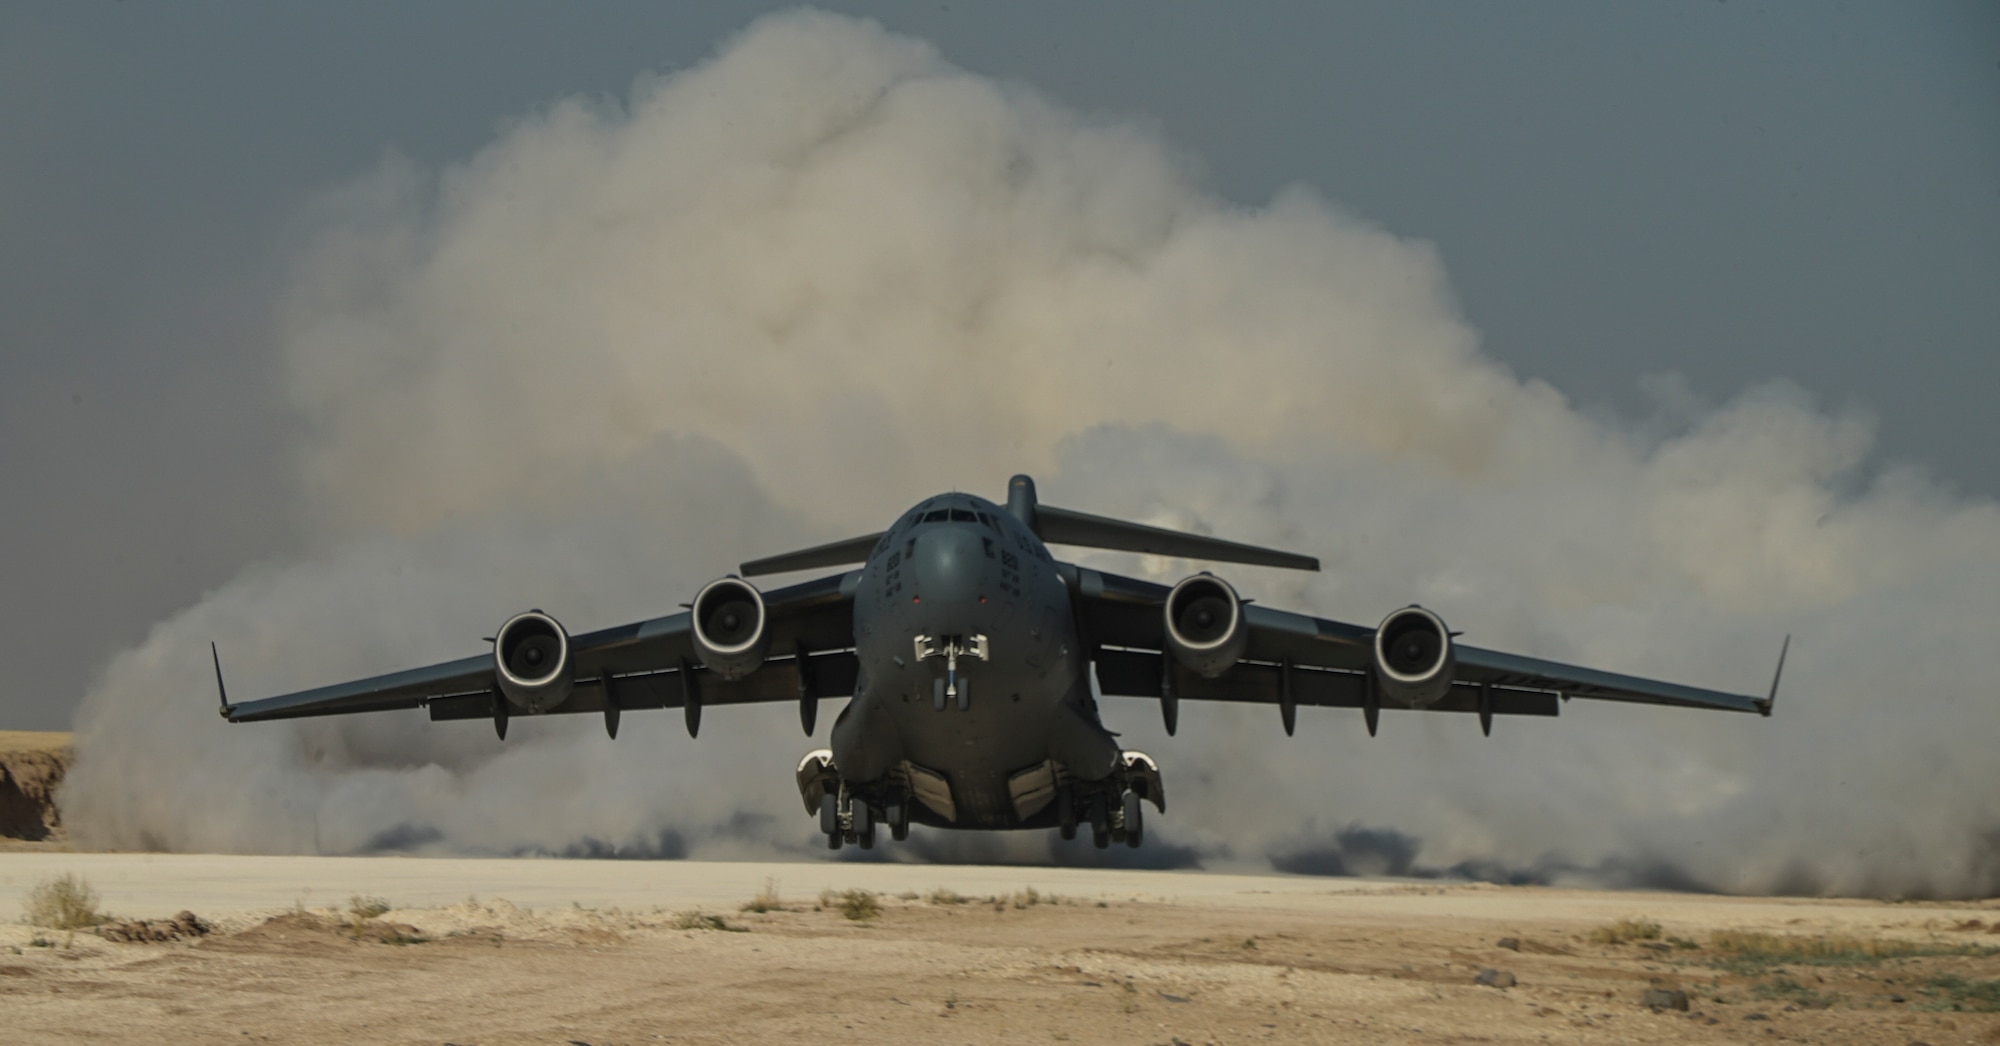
522	951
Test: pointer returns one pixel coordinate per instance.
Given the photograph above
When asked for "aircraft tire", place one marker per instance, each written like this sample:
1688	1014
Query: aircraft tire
1135	825
898	816
1066	814
1100	822
864	825
829	814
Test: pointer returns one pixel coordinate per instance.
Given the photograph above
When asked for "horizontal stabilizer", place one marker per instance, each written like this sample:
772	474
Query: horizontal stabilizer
837	554
1060	526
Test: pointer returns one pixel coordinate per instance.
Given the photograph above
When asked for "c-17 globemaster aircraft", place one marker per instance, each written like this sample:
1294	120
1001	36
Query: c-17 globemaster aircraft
968	652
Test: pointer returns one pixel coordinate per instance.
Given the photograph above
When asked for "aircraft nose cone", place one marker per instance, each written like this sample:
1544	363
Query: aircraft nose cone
949	563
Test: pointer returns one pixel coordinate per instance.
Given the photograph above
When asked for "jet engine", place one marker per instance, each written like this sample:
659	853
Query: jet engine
1205	629
531	662
729	632
1414	660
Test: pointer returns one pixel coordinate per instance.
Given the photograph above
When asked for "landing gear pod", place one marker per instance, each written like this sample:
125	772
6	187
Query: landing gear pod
729	632
1414	660
531	662
1205	628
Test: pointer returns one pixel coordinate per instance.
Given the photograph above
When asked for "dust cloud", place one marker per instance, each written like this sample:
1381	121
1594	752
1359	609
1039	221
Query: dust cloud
772	299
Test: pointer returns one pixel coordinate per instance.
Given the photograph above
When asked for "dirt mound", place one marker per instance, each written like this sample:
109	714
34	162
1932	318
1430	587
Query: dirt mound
154	931
31	766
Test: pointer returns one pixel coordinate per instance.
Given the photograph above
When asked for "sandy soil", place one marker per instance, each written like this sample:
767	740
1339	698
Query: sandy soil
627	952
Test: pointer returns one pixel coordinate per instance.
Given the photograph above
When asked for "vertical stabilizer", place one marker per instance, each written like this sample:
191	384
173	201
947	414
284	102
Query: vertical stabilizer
1021	500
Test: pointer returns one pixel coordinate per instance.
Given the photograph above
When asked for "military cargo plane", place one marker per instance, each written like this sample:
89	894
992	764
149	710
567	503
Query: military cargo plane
968	653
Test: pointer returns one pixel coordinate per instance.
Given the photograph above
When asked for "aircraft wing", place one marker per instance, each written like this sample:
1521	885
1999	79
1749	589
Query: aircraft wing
645	664
1293	659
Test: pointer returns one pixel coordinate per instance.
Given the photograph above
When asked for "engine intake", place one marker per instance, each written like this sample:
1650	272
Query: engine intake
729	632
1414	660
531	662
1205	628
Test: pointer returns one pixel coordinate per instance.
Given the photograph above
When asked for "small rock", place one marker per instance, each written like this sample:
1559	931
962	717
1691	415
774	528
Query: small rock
1512	944
1757	1016
1897	998
1493	978
1665	999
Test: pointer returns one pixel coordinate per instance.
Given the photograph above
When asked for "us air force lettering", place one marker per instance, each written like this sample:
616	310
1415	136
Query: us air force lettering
968	652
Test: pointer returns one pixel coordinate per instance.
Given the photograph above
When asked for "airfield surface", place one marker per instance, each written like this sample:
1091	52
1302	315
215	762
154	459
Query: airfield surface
611	952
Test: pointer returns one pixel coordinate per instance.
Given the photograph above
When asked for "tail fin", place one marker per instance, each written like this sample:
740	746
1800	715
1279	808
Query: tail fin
1061	526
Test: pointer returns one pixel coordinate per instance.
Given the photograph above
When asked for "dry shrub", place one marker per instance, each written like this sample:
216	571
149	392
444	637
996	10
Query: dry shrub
1627	930
65	902
703	921
766	899
859	905
944	896
1027	898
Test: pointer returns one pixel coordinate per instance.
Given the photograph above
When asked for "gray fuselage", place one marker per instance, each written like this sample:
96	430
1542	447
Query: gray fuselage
955	578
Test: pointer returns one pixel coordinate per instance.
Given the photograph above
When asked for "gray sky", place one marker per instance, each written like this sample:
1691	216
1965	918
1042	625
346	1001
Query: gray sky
1732	191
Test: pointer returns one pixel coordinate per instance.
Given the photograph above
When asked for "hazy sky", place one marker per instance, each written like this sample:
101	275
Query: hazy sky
1731	192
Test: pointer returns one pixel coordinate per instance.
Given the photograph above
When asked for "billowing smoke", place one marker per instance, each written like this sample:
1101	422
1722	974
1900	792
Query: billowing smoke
775	298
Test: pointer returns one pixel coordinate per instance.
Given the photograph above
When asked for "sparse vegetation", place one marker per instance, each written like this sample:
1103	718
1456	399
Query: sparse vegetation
946	897
1625	930
1787	990
1026	897
704	921
1742	951
859	905
361	909
65	902
766	899
1951	992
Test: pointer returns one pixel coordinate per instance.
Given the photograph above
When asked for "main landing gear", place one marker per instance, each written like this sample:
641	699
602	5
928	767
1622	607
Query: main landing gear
1114	808
847	816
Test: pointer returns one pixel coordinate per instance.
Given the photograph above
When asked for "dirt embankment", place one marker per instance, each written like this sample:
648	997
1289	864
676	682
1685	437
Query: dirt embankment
31	766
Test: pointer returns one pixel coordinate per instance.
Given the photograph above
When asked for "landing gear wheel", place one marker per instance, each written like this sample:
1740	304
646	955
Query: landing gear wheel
898	816
829	819
864	826
1135	825
1100	822
1066	814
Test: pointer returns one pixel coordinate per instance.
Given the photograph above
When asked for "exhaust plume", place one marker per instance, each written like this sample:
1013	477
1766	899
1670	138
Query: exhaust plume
773	299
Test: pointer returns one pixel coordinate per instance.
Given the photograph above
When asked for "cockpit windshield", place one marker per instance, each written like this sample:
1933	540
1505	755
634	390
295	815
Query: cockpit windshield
957	515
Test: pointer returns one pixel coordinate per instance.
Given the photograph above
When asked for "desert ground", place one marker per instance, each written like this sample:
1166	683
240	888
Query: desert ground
466	951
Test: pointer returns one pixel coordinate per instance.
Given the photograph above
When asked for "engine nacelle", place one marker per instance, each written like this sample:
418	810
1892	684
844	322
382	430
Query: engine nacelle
1414	660
1205	630
531	662
729	627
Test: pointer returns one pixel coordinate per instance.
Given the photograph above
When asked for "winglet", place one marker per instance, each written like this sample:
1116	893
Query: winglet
220	693
1764	706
